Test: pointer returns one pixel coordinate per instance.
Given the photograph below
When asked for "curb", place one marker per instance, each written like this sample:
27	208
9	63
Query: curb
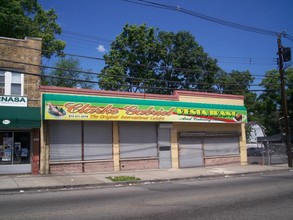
131	183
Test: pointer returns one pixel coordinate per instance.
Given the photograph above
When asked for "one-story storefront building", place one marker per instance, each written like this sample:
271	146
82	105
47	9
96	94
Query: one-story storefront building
93	131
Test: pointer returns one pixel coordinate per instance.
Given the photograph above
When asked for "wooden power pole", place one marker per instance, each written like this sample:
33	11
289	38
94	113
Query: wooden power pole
284	100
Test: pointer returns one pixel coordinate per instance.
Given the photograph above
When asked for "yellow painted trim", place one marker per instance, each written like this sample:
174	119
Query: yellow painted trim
47	149
243	148
174	148
44	149
116	146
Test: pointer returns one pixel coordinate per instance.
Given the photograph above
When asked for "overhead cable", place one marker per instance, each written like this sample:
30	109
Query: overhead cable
204	17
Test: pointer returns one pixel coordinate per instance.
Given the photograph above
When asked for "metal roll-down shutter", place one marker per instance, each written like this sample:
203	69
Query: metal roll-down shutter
138	139
190	152
65	140
97	140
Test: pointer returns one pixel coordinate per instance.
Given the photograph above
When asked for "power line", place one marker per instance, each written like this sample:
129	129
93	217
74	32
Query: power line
135	86
143	79
204	17
86	36
236	60
128	63
288	36
125	77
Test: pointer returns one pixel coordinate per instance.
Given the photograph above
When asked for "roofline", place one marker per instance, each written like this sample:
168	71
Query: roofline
22	40
55	89
175	96
205	94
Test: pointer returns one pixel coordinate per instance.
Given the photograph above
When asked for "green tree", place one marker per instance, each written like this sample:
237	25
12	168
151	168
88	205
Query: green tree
238	83
68	73
133	51
184	64
21	18
143	60
269	105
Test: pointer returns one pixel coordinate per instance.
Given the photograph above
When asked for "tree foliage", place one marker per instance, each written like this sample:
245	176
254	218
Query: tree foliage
184	64
238	83
68	73
144	60
269	103
127	63
21	18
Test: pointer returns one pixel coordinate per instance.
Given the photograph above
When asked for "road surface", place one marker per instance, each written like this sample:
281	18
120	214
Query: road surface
258	196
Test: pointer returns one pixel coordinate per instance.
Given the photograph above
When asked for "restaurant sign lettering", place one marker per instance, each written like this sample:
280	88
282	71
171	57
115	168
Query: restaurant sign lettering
66	107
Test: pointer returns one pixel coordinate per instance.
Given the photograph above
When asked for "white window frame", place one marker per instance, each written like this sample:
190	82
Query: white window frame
8	82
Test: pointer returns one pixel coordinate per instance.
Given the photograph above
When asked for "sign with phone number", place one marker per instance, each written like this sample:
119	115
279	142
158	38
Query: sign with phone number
76	110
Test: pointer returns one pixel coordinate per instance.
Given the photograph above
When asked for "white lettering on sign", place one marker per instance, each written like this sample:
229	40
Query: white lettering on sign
20	101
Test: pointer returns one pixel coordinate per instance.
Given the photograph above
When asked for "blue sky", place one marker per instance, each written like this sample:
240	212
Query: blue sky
90	25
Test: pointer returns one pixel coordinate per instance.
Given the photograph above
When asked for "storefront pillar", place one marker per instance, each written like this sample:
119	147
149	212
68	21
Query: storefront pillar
116	150
174	148
243	151
36	151
44	151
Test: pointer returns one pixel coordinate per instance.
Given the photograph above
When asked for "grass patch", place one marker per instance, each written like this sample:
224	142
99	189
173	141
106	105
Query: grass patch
122	178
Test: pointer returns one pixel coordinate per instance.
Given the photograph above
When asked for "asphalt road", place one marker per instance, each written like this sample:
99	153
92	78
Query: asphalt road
267	196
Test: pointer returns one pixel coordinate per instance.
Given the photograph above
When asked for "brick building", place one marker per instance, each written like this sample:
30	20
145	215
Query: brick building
20	61
96	131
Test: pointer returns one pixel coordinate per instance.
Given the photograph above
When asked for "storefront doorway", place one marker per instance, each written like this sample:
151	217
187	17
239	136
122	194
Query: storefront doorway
15	151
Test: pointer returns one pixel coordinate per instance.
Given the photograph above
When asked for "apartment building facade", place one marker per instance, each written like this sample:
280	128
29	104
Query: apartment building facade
20	117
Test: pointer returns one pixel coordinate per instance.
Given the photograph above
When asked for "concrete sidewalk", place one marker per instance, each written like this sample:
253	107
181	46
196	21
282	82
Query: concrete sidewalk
9	183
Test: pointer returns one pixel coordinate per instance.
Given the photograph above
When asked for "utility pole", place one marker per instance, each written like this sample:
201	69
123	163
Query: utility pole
284	100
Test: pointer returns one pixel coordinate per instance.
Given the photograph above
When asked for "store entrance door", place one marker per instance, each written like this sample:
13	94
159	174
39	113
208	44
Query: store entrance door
15	148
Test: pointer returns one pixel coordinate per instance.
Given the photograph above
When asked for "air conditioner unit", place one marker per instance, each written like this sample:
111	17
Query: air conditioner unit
2	90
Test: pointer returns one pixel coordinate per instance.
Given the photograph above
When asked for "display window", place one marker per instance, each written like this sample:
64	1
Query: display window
14	148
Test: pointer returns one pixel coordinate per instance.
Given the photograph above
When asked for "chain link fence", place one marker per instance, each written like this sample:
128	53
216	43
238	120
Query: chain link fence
275	153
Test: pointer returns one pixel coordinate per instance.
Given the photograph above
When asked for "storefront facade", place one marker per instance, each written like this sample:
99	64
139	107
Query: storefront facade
19	140
95	131
19	136
20	112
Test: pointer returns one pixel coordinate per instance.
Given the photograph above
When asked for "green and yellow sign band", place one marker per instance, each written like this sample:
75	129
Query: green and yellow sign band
97	108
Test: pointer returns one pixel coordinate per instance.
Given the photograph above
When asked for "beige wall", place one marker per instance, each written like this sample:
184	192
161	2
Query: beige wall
116	146
211	100
207	127
243	148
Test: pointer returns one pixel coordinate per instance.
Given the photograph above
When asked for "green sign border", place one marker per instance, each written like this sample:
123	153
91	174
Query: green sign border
144	103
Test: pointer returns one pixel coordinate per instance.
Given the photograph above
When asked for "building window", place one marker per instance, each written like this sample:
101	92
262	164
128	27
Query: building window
2	82
11	83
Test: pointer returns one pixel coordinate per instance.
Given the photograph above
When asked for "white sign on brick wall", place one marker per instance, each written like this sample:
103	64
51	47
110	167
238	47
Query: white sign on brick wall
17	101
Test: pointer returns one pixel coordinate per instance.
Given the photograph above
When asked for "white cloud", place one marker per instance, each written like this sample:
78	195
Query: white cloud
101	48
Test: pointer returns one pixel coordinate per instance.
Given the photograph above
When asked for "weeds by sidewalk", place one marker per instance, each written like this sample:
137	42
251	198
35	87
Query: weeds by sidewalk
122	178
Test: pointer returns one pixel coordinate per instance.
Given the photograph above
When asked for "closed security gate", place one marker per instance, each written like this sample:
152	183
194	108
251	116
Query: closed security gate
190	152
221	146
65	140
72	140
138	140
97	140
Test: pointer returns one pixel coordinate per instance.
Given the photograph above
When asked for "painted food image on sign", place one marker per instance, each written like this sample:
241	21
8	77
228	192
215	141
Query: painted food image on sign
55	110
122	109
